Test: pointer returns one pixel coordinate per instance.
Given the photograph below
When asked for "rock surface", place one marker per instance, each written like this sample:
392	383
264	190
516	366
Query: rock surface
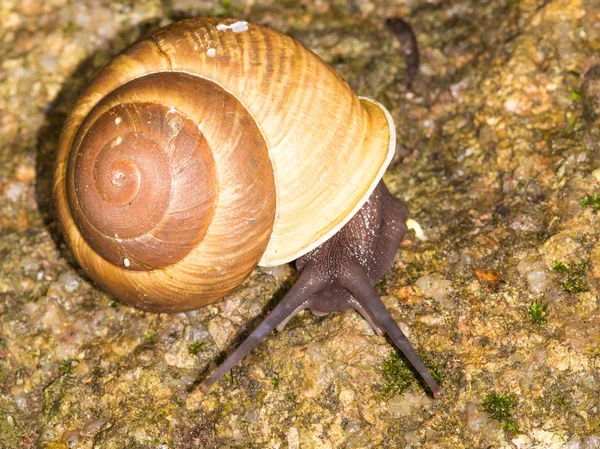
497	145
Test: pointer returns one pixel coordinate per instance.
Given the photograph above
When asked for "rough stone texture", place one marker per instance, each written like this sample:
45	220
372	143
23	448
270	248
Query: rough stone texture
498	141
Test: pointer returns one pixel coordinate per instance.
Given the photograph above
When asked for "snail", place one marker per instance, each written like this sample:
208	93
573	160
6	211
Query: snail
214	145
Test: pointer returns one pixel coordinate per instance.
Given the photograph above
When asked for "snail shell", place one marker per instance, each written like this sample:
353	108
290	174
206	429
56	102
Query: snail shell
205	149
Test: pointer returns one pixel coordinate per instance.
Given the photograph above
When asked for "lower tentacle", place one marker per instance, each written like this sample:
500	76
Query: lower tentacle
294	301
358	284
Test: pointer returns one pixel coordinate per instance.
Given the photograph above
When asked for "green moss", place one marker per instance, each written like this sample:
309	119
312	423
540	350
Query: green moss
224	8
572	276
397	375
382	285
3	371
178	402
560	267
499	407
412	271
435	371
67	365
276	381
510	426
10	435
536	312
575	285
575	95
194	348
562	400
591	200
592	351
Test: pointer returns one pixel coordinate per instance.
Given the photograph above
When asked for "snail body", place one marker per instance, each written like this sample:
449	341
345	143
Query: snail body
215	145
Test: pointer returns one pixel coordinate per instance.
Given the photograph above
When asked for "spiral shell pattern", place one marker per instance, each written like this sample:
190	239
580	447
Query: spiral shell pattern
207	148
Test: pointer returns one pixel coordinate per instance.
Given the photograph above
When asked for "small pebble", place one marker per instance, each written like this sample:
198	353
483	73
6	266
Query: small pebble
536	273
406	403
437	288
69	281
14	191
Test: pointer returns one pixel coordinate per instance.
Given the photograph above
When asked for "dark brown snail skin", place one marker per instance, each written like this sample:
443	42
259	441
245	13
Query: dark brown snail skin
214	145
340	275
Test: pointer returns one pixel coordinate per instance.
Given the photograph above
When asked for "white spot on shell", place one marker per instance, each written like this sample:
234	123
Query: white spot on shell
412	224
236	27
119	140
126	262
118	177
211	52
118	120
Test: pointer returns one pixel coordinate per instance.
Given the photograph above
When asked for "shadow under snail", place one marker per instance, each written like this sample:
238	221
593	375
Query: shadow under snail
212	146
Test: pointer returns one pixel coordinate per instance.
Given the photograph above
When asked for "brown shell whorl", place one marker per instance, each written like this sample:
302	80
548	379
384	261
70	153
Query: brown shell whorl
168	198
143	192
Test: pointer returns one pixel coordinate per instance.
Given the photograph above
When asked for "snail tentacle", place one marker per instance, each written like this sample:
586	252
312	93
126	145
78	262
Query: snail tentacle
358	284
294	301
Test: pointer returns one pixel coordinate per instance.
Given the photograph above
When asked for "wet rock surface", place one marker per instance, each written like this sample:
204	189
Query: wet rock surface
498	161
